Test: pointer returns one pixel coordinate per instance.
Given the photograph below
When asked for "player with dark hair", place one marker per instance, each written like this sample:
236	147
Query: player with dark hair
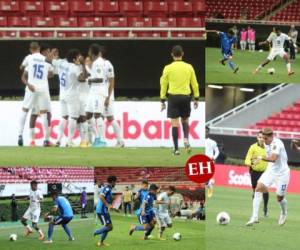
104	204
179	81
63	207
146	213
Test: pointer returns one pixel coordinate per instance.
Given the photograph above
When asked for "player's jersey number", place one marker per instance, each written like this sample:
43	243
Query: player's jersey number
62	80
38	71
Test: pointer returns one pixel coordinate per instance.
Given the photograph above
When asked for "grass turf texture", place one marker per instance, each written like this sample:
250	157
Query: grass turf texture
94	157
248	62
192	237
266	235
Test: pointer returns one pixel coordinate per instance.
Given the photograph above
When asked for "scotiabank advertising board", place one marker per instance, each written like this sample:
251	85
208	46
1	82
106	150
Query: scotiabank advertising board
239	177
142	125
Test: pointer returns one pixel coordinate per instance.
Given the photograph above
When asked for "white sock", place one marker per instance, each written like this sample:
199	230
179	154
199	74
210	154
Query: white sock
288	67
45	126
101	128
283	205
92	129
71	129
29	228
258	68
256	203
61	127
117	130
84	131
22	121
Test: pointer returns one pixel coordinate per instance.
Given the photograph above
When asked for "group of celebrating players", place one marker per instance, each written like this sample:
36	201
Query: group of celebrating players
86	94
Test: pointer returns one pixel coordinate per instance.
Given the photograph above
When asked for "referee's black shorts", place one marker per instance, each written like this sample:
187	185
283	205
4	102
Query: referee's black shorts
179	106
255	175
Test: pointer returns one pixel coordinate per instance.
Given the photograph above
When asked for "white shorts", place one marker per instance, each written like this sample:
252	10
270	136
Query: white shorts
32	214
281	181
83	104
109	111
163	219
95	103
63	107
27	99
73	107
40	101
276	52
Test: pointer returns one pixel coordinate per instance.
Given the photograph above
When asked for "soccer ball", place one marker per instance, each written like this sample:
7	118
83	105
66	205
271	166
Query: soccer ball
177	236
223	218
271	71
13	237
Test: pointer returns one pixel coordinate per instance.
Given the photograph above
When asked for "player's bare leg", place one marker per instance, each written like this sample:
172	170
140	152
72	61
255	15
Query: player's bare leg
83	129
28	229
288	65
261	66
185	129
175	126
117	131
260	189
22	121
283	213
61	128
71	130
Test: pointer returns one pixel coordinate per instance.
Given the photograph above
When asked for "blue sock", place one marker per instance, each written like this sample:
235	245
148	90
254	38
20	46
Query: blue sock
149	231
139	228
67	230
103	236
232	65
50	231
102	230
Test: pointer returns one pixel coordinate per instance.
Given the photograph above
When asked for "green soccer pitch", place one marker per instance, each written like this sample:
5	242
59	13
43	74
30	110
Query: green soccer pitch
93	157
247	62
266	235
192	236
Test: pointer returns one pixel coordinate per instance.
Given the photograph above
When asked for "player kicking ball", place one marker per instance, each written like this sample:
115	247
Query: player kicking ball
34	210
277	173
162	215
104	203
146	215
277	40
63	207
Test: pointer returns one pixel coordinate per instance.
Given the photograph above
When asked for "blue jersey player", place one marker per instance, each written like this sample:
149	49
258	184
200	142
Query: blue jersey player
146	215
63	207
227	41
141	194
104	203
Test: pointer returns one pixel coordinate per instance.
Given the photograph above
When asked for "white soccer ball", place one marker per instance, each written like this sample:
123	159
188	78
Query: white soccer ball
13	237
223	218
177	236
271	71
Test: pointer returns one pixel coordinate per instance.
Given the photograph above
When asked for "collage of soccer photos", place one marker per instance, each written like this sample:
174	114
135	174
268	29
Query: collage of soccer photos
108	108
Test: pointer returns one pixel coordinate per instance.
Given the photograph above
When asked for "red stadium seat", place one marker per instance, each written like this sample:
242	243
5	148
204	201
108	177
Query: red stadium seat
18	21
155	8
199	7
3	21
30	34
131	8
90	22
73	34
32	8
104	34
180	8
66	22
81	7
163	22
190	22
56	8
139	22
148	34
42	22
106	7
8	8
114	22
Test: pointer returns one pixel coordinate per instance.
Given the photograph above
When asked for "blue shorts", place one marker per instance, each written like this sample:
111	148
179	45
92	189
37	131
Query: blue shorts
104	218
147	218
60	220
227	54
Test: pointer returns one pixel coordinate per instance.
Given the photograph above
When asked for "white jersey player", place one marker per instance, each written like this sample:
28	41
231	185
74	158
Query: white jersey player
277	41
34	210
277	173
35	77
162	212
97	94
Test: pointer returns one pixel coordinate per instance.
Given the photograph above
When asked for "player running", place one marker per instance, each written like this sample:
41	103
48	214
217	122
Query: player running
34	210
277	41
98	93
162	213
277	173
63	207
142	193
146	214
104	203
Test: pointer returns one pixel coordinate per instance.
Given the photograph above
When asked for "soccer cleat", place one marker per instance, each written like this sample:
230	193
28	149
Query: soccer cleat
131	230
161	238
291	73
251	222
210	190
42	237
32	144
57	144
266	212
222	62
176	152
98	143
102	244
20	141
71	239
47	143
236	70
48	241
84	144
282	219
187	147
255	72
120	144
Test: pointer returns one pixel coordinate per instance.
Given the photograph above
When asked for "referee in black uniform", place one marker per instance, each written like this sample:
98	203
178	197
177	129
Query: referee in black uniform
179	82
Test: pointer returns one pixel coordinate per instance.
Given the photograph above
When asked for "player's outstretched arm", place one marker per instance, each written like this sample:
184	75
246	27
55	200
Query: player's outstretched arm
266	42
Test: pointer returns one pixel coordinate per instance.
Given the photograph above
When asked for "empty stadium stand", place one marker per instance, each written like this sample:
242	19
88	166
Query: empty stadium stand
288	119
289	13
81	14
46	175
